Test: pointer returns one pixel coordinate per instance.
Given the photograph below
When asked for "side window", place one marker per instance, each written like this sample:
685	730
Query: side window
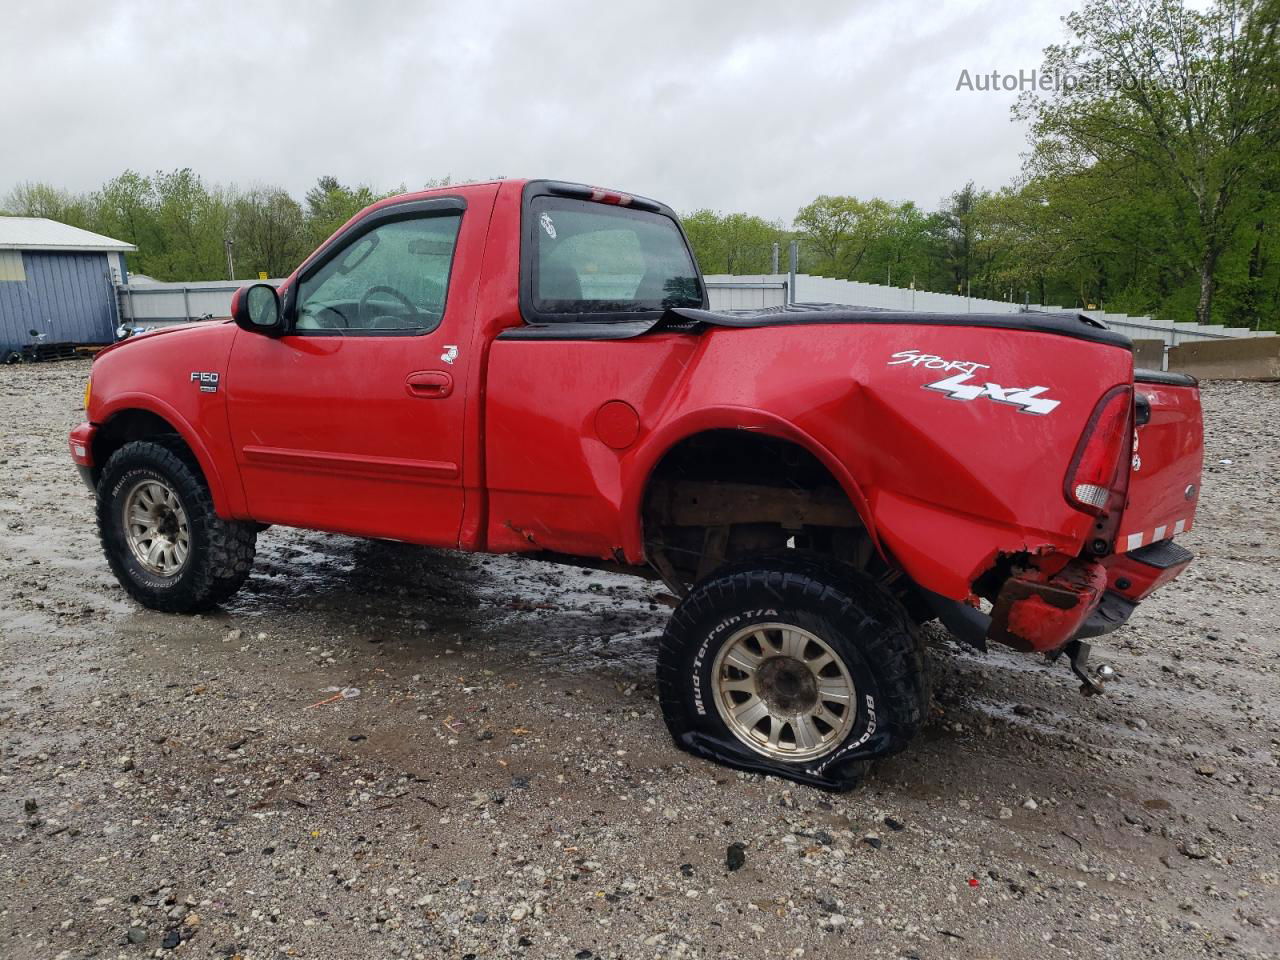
392	279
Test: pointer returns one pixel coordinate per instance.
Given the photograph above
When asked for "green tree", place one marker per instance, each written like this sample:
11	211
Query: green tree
125	208
903	251
1184	97
30	199
960	219
193	223
270	232
840	230
330	204
733	243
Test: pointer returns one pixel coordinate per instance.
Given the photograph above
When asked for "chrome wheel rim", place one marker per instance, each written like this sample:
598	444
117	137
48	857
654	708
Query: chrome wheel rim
783	691
156	528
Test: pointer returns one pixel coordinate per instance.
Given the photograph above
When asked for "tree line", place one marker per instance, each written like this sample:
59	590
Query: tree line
181	225
1151	186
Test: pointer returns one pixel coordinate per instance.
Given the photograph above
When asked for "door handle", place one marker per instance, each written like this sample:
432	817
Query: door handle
429	385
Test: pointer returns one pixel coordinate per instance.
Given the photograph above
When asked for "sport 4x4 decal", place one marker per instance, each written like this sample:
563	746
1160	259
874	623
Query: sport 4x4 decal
959	387
1026	399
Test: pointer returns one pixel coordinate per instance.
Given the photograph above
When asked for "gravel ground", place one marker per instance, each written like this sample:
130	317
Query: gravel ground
503	786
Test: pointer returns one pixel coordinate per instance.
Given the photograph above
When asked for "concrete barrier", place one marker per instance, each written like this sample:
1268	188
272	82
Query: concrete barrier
1252	359
1148	354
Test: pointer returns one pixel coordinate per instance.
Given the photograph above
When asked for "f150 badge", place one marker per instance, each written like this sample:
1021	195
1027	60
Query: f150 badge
208	380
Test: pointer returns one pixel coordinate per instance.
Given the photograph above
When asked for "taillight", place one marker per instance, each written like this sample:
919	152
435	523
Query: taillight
1094	472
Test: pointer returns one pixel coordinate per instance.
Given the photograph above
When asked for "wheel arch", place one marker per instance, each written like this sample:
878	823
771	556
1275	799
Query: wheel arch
666	442
139	417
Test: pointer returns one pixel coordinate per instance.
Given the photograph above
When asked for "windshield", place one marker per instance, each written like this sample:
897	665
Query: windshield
592	258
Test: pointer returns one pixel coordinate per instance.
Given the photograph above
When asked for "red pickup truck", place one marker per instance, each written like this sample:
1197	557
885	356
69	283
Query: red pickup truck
531	366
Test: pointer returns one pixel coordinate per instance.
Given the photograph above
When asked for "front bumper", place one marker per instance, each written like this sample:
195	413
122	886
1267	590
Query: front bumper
80	442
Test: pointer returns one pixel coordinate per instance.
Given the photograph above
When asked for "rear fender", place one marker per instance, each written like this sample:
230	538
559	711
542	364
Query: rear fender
944	551
659	443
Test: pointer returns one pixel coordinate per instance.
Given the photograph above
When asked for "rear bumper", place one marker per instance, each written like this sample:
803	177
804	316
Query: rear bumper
1042	612
1131	578
1139	573
1112	613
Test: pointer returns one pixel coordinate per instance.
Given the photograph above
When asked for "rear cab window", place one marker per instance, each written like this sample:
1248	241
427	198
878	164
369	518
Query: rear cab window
589	261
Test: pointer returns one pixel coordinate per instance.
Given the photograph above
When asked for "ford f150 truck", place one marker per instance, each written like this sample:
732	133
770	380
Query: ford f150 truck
532	367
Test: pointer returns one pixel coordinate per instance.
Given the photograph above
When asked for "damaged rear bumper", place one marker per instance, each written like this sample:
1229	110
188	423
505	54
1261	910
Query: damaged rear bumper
1036	611
1043	611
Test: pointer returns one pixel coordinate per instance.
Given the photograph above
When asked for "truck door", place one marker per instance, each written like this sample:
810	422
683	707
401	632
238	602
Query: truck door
353	420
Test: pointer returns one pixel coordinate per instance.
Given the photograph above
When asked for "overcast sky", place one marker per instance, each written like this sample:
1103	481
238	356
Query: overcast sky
734	106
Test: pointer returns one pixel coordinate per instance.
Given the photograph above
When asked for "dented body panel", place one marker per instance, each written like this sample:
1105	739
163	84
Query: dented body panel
918	465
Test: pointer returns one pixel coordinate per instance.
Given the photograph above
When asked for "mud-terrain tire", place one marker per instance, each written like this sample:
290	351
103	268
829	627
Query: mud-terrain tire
787	637
194	559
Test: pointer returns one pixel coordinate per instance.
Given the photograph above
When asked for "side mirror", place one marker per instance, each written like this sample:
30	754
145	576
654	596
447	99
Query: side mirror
256	308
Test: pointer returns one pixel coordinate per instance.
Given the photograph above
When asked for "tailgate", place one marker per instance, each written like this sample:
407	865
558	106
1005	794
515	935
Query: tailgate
1168	450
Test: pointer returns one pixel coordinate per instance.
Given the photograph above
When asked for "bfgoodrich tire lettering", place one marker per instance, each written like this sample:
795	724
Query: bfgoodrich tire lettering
219	553
853	620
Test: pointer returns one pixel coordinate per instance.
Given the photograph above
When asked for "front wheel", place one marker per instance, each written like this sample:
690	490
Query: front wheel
163	541
794	668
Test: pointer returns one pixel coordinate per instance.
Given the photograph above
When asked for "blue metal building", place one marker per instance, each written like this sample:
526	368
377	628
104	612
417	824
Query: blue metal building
59	281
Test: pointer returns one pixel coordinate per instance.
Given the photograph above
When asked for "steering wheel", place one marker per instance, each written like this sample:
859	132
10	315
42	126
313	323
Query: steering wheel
366	322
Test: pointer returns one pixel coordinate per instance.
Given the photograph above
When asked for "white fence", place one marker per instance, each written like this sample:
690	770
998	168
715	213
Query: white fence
811	289
152	304
730	292
727	292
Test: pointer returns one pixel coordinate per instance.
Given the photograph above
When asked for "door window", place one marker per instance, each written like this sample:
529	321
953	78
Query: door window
391	280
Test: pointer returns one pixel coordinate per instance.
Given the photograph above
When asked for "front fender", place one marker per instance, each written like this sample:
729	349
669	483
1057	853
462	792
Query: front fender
228	498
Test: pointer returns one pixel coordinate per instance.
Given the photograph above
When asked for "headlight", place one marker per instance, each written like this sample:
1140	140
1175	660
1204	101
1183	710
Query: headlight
88	389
